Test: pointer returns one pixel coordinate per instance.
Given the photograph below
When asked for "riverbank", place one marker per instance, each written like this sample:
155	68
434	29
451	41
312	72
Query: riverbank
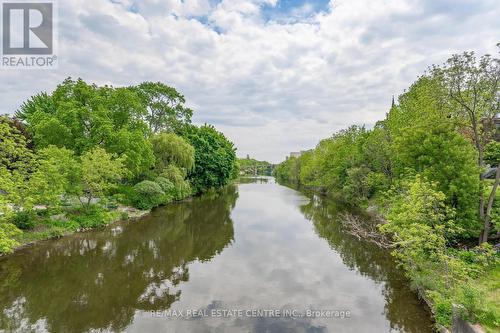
482	314
45	224
461	283
65	224
248	247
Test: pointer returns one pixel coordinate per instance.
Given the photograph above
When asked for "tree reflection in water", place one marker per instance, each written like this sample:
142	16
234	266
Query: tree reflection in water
97	280
402	308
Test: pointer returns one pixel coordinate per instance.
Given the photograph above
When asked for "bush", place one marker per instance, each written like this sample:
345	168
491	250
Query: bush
148	195
70	225
176	177
25	220
168	189
184	190
124	194
8	235
92	217
166	185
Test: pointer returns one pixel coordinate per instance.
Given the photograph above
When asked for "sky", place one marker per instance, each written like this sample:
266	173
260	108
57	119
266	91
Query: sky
274	75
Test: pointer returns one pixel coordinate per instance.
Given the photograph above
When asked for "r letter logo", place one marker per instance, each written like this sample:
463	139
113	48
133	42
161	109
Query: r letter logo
28	35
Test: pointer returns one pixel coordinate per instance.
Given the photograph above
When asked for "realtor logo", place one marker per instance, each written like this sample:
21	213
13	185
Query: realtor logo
28	34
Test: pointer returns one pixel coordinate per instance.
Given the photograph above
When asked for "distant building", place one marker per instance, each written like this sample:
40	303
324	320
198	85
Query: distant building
492	125
496	121
295	154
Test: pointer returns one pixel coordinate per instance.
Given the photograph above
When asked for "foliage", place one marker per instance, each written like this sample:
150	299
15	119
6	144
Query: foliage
99	172
182	186
92	217
215	158
417	136
57	175
80	117
8	234
14	152
251	167
171	149
472	93
492	153
420	223
148	195
24	220
166	186
288	170
426	141
423	163
93	143
165	107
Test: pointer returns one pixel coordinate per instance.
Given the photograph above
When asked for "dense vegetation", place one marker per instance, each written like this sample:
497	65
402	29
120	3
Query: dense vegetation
252	167
69	159
425	167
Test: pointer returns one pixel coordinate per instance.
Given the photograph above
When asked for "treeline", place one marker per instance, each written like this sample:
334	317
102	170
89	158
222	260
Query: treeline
252	167
84	149
426	166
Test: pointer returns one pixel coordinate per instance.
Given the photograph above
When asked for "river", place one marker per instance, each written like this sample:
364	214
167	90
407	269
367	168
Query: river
255	257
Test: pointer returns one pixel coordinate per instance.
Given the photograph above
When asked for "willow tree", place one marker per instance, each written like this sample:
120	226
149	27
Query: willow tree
473	96
170	148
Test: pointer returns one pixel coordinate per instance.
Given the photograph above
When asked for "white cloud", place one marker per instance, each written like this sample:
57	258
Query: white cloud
271	86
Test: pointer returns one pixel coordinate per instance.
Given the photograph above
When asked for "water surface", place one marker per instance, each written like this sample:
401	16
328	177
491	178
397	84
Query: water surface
255	246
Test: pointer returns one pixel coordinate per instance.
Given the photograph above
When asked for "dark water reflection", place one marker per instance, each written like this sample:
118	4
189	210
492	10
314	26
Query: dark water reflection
249	247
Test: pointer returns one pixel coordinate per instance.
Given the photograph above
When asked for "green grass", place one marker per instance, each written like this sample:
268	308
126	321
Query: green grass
77	219
489	285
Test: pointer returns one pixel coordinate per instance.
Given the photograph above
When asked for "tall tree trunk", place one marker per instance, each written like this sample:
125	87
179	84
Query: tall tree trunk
487	217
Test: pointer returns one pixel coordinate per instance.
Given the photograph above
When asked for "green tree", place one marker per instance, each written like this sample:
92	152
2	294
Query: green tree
425	140
215	157
8	234
165	107
177	177
57	175
80	116
170	148
472	88
148	194
99	172
14	151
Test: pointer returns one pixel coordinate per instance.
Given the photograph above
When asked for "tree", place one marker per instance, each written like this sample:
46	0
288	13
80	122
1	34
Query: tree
170	148
177	177
8	234
165	107
57	174
14	151
473	95
215	157
80	117
99	171
425	140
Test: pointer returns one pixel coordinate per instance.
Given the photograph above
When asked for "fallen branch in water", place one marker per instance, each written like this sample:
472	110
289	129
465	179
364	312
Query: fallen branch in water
365	229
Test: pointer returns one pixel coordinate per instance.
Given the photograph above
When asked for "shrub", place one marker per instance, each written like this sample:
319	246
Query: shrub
148	195
168	189
174	174
184	190
24	220
176	177
92	217
8	234
124	194
166	185
70	225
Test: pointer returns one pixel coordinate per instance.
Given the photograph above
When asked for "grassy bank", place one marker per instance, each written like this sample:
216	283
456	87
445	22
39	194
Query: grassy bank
50	223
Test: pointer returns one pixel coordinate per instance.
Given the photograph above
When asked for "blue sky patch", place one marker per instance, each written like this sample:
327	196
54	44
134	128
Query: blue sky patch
291	10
